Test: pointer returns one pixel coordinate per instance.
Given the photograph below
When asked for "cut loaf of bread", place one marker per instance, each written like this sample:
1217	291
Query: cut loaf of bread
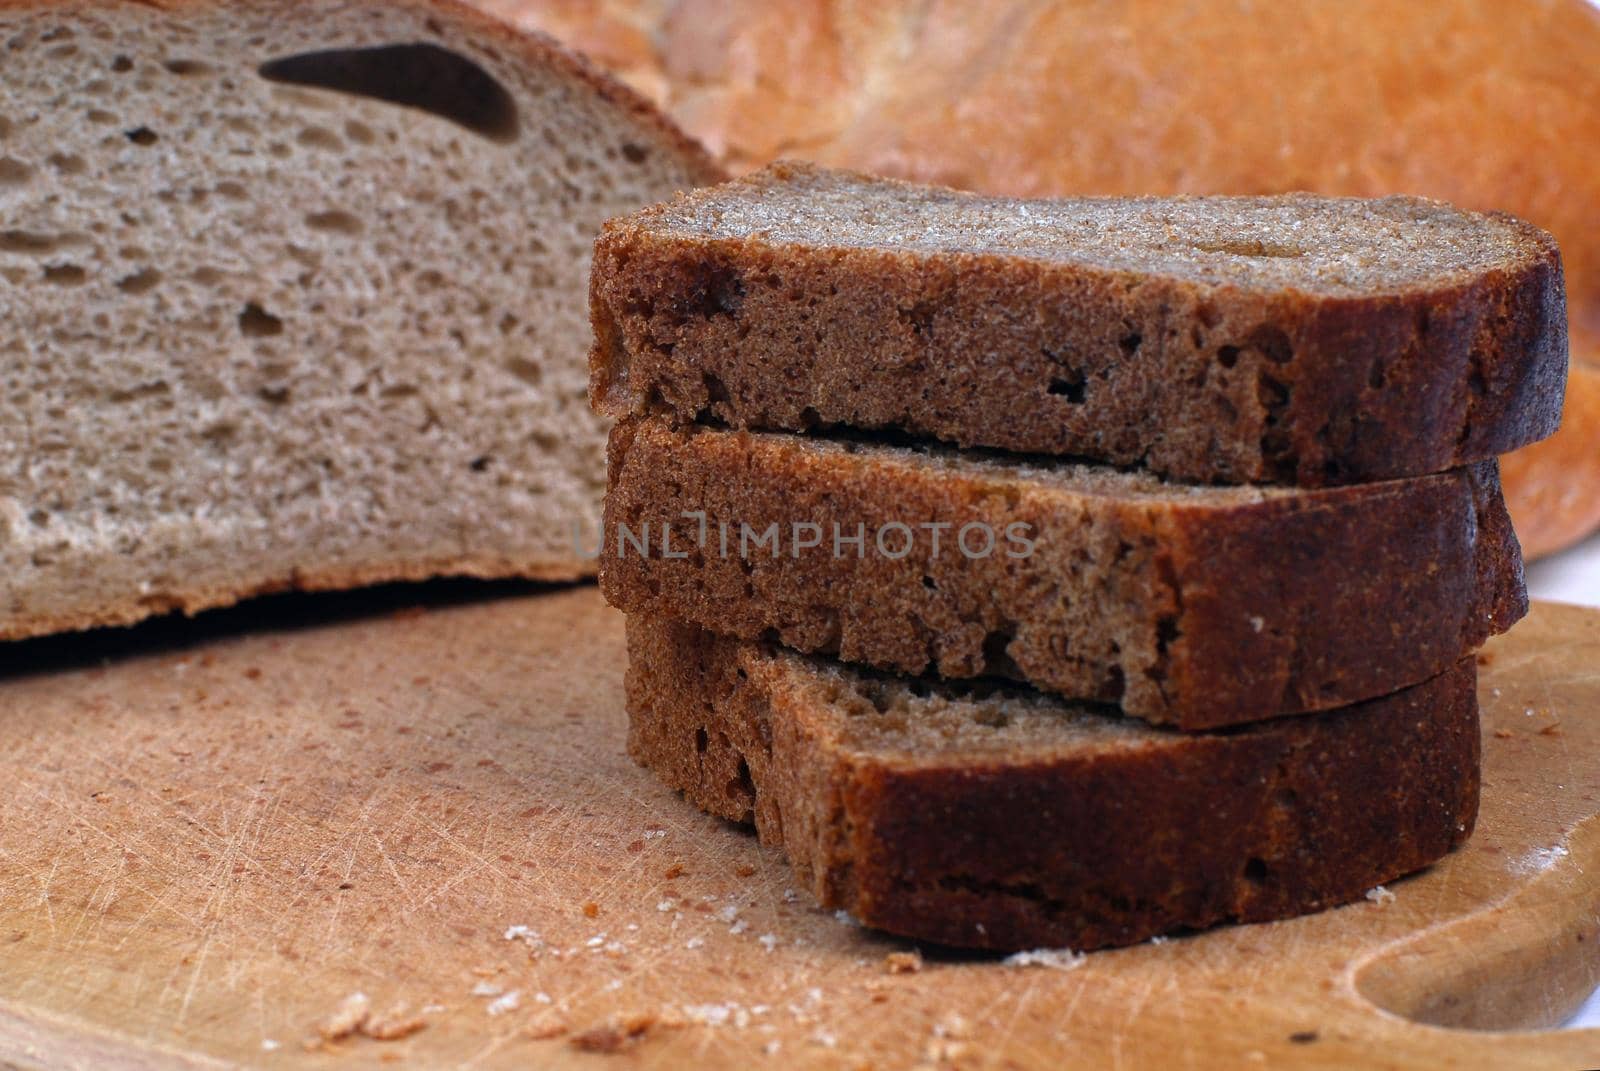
1008	820
294	295
1292	339
1195	605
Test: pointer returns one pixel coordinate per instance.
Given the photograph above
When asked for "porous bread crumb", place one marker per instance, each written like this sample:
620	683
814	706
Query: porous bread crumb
331	369
347	1018
903	962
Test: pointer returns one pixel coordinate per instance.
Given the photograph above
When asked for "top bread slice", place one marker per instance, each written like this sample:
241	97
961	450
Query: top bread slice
1292	339
293	294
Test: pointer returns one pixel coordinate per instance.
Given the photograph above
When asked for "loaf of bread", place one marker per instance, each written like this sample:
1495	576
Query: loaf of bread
1486	104
1000	819
1197	606
294	295
1295	339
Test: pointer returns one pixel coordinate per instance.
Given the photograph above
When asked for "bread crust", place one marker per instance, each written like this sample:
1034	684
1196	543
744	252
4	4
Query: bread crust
1216	382
1060	848
1552	488
311	577
1195	607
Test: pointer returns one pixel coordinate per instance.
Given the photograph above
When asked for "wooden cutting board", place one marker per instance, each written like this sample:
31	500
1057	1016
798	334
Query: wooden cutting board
213	833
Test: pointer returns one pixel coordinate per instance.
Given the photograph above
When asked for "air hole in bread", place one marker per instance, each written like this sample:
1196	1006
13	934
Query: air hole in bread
142	135
701	741
1072	386
31	242
1273	343
65	274
1227	356
14	172
1250	247
186	67
336	221
256	322
67	163
421	76
320	137
122	64
634	154
1255	871
140	282
528	371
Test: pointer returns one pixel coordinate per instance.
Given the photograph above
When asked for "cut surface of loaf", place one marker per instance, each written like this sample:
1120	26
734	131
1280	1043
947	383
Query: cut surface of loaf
1292	339
1194	605
1007	820
293	294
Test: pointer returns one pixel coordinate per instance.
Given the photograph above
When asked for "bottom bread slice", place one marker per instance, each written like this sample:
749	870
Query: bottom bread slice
995	817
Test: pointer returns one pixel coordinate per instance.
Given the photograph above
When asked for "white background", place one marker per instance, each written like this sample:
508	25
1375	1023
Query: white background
1572	576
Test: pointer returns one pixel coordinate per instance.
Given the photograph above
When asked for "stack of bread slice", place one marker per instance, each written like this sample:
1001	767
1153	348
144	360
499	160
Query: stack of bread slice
1064	573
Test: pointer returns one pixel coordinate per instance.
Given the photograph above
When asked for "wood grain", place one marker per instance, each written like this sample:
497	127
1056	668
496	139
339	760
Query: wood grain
211	836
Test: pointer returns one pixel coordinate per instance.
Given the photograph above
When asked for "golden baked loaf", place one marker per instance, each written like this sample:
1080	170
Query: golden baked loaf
1499	109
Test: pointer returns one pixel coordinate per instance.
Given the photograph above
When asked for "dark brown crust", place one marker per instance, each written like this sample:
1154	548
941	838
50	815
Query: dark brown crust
974	350
1201	609
195	600
1066	850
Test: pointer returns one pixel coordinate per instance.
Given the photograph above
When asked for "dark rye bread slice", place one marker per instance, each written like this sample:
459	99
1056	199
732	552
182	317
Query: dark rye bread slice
1292	339
1006	819
1195	605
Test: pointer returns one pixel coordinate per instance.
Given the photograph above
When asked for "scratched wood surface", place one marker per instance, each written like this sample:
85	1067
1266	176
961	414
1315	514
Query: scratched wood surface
212	834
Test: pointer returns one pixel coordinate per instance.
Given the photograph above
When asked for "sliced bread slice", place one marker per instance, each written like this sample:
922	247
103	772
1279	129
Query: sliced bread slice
294	295
1195	605
1005	819
1292	339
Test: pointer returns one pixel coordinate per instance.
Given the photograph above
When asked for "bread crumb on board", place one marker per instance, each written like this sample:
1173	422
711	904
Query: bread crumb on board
354	1016
1380	895
350	1016
903	962
1060	959
396	1023
622	1032
546	1025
